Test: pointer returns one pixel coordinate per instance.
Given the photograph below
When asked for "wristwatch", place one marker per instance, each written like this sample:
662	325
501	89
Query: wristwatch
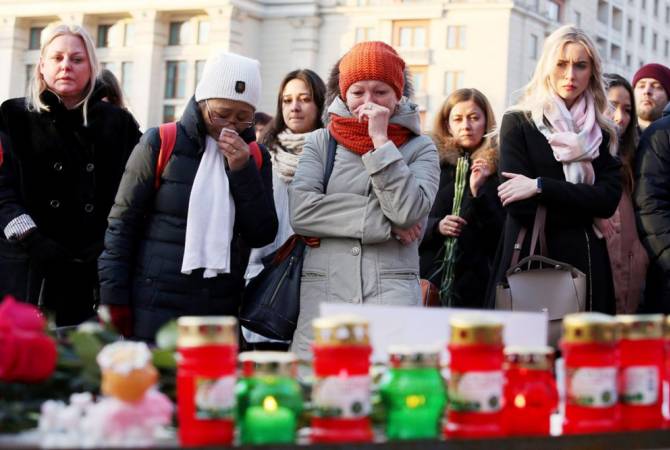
538	190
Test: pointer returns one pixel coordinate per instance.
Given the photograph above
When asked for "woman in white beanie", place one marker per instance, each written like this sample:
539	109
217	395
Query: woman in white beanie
178	244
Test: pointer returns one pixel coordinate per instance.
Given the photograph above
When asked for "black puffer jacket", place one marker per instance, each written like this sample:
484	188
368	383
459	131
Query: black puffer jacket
64	174
652	204
144	244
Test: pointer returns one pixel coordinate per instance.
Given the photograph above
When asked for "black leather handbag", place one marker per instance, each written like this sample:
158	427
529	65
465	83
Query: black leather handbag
271	300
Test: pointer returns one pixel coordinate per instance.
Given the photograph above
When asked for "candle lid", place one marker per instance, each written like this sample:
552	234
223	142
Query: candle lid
473	329
404	356
642	326
342	329
198	331
583	328
666	327
534	358
268	363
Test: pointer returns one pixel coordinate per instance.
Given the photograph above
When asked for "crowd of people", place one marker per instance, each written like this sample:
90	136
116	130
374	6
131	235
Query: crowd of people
94	216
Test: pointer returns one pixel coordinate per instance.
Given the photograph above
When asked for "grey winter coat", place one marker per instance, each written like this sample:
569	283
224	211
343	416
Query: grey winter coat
358	259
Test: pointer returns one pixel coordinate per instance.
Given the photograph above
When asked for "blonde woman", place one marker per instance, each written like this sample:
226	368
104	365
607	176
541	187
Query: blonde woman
66	154
462	128
556	150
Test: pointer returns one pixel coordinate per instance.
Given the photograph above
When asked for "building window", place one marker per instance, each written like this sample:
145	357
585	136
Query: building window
128	34
456	36
199	67
103	36
578	18
654	41
419	79
533	43
169	113
126	76
179	33
553	10
643	31
655	7
603	12
667	14
410	33
175	79
362	2
452	80
630	28
644	4
203	32
666	48
629	59
363	34
641	63
615	53
35	38
617	18
30	68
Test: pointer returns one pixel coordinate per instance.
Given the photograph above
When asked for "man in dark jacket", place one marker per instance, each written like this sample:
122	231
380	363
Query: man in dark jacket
181	248
651	84
652	203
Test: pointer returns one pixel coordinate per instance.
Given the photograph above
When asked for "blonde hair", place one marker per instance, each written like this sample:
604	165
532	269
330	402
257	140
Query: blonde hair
38	85
537	93
441	131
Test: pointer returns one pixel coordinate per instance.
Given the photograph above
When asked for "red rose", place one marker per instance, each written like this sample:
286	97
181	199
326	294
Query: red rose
26	352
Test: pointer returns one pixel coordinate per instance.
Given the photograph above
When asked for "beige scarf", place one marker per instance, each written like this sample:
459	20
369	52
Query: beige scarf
286	153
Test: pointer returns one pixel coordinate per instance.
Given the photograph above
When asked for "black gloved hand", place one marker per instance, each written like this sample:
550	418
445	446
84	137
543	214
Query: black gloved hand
44	251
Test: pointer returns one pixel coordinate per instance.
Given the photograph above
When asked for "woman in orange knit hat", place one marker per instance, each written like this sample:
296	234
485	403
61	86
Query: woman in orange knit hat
369	216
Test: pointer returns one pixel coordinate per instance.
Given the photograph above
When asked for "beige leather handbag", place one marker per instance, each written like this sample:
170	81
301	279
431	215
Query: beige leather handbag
537	283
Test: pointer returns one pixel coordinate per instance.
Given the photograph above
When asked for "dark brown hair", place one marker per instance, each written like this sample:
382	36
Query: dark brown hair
318	90
113	91
628	137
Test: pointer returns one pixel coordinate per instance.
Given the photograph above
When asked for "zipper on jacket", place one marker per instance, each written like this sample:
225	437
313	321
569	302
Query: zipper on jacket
281	281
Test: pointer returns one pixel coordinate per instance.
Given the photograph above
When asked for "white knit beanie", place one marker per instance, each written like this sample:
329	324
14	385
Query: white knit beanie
230	76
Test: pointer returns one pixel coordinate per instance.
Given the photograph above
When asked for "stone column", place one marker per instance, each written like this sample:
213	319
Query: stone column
220	27
13	43
305	41
150	37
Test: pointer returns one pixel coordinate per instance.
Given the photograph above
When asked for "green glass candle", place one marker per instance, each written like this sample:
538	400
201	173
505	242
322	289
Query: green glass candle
413	393
269	399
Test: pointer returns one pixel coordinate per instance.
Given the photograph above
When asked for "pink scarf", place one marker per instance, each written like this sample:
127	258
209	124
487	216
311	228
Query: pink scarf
574	136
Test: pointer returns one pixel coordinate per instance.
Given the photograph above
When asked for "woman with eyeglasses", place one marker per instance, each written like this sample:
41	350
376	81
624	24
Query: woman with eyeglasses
178	241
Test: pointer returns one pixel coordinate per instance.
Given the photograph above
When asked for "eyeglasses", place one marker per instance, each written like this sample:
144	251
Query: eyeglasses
218	121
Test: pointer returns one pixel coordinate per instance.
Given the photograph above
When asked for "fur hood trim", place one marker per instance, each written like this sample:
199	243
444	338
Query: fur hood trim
449	152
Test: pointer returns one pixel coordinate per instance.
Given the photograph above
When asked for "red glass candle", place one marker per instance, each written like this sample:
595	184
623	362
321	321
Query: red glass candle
530	391
341	393
475	395
591	365
666	376
641	349
206	367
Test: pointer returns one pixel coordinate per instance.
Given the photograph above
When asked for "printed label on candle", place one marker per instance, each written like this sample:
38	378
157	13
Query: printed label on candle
342	397
594	387
476	391
640	385
214	397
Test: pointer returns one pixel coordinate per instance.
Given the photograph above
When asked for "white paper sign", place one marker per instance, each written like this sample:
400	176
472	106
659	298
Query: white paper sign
402	325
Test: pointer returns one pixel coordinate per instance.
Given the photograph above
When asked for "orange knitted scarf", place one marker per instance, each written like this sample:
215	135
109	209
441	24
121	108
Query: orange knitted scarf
353	135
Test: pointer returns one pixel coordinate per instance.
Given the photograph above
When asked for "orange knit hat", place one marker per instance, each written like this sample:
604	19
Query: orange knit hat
372	61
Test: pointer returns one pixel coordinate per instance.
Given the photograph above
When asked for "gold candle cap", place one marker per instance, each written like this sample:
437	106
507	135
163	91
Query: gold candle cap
197	331
533	358
585	328
268	363
666	327
640	326
404	356
342	329
473	329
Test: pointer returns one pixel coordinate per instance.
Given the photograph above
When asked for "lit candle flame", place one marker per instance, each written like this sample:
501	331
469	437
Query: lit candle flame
414	401
270	403
520	401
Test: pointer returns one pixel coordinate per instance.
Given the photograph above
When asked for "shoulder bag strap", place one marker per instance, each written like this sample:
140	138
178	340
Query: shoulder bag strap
538	231
168	138
330	162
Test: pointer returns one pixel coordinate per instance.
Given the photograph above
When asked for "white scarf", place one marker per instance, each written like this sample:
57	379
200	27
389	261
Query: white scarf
211	216
286	153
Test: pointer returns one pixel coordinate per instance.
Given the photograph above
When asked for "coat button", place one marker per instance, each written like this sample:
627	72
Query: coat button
88	207
90	167
147	280
58	166
356	251
54	204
